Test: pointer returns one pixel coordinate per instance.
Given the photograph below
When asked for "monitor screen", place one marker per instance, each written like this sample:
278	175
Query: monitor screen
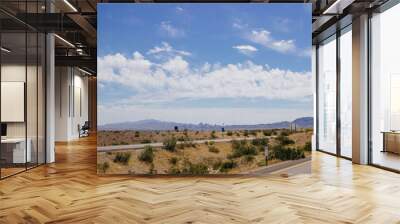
3	129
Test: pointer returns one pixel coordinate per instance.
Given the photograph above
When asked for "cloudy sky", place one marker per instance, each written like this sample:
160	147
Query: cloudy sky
210	63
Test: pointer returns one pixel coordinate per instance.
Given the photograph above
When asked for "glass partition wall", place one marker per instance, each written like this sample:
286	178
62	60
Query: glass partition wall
22	98
385	89
334	93
327	95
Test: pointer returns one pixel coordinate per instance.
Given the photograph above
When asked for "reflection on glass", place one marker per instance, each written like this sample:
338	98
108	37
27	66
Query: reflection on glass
14	153
327	95
385	89
346	93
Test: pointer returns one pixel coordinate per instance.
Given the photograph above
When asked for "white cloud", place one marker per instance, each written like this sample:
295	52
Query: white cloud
264	38
245	49
179	9
171	30
167	48
175	79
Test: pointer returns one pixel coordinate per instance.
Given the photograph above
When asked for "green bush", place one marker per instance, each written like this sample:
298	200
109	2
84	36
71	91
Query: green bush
195	169
307	147
174	170
284	140
287	153
253	132
212	135
284	133
103	167
267	132
173	160
259	141
137	134
122	157
248	158
241	148
227	165
213	149
147	154
170	144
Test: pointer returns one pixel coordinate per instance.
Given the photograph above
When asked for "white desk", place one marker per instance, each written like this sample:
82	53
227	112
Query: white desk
19	155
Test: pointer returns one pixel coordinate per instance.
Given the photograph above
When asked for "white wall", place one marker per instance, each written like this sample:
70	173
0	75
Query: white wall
71	87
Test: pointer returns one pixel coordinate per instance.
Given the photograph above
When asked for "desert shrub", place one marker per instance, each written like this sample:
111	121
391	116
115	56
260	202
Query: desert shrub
173	160
174	170
284	133
237	134
195	169
212	135
227	165
137	134
246	133
262	163
103	167
213	149
152	170
284	140
307	147
248	158
145	141
229	133
217	165
259	141
211	143
253	132
181	138
122	157
197	132
170	144
147	154
267	132
287	153
241	148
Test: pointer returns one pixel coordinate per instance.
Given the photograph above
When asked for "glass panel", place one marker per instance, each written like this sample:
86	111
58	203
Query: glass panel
385	84
13	86
327	95
346	93
31	98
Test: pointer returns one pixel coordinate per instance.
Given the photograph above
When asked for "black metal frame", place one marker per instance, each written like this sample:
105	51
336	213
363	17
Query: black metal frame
338	33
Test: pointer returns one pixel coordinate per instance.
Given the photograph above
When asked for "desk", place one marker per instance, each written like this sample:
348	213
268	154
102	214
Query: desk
13	150
391	141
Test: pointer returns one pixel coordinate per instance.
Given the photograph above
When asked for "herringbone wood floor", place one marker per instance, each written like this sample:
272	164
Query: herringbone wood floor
69	191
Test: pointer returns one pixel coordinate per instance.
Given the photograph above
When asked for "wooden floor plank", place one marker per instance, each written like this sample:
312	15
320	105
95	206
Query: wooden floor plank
70	191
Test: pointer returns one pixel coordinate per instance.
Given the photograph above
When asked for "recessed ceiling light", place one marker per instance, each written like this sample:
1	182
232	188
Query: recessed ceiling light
5	50
70	5
64	40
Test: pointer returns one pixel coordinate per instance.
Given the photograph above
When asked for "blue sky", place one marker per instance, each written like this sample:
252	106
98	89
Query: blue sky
214	63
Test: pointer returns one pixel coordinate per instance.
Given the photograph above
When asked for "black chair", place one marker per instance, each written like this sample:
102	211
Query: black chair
84	130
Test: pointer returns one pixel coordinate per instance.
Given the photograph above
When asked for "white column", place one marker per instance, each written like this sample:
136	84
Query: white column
360	90
50	99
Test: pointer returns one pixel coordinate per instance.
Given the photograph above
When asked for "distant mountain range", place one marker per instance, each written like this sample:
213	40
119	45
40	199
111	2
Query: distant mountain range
151	124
